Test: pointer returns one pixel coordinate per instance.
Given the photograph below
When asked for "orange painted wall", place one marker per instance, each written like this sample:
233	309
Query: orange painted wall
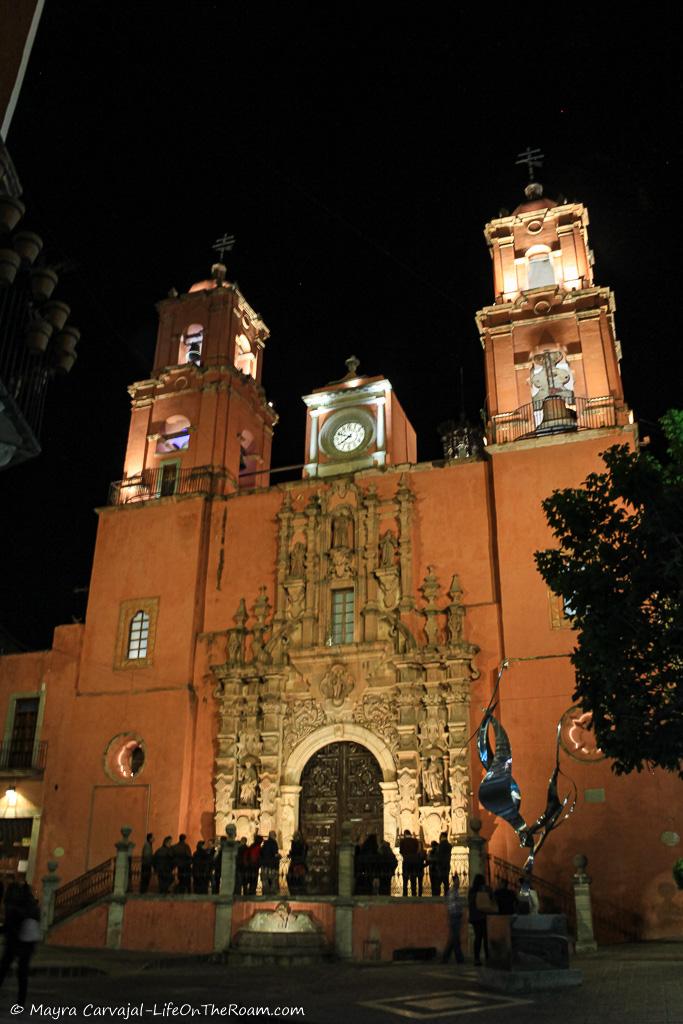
173	926
87	929
426	924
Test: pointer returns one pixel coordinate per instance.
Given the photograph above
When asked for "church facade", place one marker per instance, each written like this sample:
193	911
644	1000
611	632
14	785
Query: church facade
293	656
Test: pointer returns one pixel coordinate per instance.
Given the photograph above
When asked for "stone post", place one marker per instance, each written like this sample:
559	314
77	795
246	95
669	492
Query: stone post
223	926
343	922
585	939
117	904
477	850
47	906
122	868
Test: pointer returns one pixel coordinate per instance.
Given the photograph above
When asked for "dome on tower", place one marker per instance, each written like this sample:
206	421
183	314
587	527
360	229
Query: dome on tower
217	280
535	200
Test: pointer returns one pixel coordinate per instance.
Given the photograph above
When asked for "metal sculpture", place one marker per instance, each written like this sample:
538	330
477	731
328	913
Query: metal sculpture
500	794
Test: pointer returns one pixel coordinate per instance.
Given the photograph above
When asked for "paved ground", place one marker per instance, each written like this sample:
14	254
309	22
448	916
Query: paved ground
640	984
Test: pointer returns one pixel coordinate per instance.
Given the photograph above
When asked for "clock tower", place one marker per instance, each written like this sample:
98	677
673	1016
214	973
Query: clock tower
356	423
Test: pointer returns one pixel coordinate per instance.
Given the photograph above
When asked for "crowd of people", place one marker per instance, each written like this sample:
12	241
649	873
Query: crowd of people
181	870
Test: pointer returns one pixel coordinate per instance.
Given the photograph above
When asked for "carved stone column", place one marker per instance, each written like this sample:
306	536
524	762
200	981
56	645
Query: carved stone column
392	811
405	498
310	616
287	816
284	517
370	518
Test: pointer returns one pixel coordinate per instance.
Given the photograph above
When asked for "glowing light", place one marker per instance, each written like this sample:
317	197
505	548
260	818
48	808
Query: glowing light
11	796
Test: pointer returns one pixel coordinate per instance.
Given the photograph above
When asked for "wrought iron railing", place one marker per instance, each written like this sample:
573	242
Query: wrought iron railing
553	898
85	889
164	481
538	420
23	757
611	923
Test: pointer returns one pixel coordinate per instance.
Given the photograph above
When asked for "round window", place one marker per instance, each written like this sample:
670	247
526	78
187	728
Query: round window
124	757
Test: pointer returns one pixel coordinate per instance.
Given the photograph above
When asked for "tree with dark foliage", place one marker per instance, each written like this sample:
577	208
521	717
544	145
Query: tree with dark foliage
619	571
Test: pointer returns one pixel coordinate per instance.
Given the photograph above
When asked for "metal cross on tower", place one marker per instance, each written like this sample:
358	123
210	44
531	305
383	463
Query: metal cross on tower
223	245
532	158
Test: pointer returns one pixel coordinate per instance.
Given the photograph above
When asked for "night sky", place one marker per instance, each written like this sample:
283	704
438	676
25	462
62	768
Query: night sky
356	154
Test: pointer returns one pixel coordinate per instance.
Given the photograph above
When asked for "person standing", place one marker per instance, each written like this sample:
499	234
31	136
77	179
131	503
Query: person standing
411	855
455	905
478	894
182	863
434	868
444	863
270	866
22	931
241	868
505	898
253	864
163	865
387	866
146	862
298	866
201	869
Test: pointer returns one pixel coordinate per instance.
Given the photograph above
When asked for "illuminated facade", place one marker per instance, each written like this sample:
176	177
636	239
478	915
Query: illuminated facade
298	654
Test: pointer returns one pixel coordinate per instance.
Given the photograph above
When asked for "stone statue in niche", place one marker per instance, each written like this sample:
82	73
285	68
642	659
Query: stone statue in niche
297	559
432	780
342	531
387	550
248	785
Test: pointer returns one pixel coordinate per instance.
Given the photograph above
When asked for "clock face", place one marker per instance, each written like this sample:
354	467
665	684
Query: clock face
348	436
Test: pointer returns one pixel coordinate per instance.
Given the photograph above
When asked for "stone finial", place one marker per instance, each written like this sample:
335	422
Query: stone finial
231	831
240	616
126	831
346	829
475	825
52	866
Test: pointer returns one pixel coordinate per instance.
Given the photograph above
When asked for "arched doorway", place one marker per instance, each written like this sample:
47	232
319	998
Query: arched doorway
341	782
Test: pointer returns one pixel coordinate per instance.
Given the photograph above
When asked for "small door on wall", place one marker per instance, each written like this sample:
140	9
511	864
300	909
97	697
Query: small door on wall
111	808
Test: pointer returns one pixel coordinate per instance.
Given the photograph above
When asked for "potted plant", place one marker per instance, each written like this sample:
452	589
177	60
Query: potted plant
678	872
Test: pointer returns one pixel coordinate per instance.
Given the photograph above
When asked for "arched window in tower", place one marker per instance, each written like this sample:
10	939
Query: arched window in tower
138	636
191	345
245	359
540	270
176	435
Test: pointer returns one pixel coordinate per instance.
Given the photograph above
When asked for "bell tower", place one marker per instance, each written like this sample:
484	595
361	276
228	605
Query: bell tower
551	351
203	413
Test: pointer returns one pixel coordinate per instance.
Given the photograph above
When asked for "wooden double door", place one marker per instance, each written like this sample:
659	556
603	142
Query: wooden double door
341	782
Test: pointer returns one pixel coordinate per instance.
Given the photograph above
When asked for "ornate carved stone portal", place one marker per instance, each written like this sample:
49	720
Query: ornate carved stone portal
340	783
394	695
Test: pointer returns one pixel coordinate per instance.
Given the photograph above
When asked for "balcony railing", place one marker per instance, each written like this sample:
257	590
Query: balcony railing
23	757
553	416
165	481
